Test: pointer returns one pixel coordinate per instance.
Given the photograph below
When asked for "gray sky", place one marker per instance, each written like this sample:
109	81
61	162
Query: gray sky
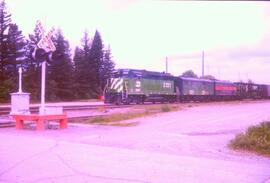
235	36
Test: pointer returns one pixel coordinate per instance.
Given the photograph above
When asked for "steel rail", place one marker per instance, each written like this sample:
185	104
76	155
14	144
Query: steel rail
35	109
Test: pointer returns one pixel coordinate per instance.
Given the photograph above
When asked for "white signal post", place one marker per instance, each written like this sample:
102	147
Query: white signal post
43	80
20	80
46	44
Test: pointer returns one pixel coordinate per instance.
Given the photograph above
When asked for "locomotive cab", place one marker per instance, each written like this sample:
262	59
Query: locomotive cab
115	89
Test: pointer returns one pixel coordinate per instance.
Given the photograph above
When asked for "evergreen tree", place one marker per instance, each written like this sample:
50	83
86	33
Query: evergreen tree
79	74
78	59
106	68
12	53
32	76
93	67
15	49
5	20
60	71
6	85
96	57
15	55
84	70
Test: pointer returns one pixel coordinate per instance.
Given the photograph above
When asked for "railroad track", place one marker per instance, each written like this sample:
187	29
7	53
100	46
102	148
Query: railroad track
6	121
34	109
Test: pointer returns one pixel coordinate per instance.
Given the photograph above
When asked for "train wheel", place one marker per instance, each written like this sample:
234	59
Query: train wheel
138	101
117	101
127	102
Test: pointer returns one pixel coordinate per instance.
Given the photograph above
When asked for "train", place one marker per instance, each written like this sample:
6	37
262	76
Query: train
128	86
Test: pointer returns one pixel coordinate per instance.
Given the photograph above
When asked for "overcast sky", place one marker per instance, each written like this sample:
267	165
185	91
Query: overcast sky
235	36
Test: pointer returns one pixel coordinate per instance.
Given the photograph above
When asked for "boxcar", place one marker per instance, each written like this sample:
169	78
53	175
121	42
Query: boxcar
224	90
138	86
263	91
242	90
255	90
260	91
252	91
195	89
268	91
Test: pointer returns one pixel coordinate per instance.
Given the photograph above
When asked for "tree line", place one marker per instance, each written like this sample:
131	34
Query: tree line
81	75
191	74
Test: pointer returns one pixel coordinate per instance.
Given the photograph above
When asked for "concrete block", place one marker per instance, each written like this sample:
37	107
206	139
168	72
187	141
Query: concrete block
20	103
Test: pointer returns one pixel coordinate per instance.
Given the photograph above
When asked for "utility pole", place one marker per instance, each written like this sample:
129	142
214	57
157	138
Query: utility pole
202	63
166	64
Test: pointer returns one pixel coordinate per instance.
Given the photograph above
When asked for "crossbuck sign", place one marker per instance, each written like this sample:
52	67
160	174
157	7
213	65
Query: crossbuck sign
45	42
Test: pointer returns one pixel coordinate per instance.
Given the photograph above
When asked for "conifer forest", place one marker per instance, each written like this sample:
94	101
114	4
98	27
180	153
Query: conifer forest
70	75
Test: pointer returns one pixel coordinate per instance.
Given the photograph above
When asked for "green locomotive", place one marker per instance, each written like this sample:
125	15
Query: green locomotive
139	86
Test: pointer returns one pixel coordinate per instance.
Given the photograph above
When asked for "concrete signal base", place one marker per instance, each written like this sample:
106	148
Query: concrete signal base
20	103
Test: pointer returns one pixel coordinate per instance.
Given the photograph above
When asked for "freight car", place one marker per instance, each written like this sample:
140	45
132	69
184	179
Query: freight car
224	90
252	91
242	90
192	89
138	86
265	91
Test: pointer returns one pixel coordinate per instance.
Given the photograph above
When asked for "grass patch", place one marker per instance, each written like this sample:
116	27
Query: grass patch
121	124
255	139
116	117
165	108
158	108
132	114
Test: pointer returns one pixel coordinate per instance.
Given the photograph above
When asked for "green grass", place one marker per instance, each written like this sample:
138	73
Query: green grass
116	117
157	108
120	124
136	112
255	139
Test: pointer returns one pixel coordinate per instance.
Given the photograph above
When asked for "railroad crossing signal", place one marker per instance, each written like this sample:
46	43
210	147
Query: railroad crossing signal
45	46
45	42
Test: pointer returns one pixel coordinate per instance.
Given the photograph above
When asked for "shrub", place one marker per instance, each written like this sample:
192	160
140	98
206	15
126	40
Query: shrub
6	87
256	138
